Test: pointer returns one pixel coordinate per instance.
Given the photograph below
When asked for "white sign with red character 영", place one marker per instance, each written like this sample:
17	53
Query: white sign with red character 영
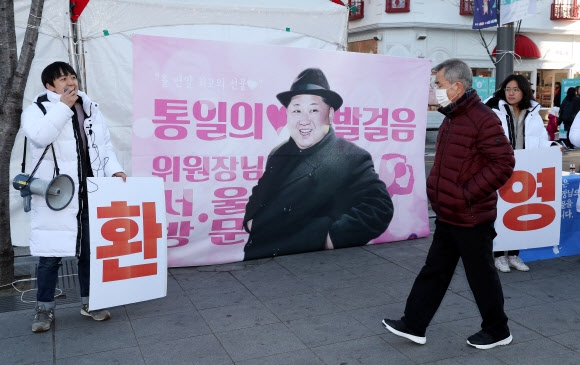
529	206
128	240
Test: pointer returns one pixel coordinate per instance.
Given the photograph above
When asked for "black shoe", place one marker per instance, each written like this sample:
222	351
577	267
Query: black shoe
399	328
484	341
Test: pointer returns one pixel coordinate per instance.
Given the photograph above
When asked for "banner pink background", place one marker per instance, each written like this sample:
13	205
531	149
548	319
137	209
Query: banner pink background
205	118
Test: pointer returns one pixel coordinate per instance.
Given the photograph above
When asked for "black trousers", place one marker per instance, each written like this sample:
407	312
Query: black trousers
474	246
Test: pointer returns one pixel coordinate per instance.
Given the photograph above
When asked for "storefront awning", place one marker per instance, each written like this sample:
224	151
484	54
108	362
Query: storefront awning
524	47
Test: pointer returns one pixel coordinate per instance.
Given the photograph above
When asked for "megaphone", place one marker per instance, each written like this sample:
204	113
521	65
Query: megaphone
58	192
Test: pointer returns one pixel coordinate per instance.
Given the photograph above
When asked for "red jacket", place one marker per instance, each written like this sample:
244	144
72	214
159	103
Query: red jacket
473	159
552	126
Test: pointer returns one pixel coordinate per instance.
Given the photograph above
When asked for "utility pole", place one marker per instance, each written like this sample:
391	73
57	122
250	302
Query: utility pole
504	51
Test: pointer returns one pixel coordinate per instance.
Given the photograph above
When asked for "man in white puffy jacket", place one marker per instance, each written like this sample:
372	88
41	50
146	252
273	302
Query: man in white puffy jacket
65	117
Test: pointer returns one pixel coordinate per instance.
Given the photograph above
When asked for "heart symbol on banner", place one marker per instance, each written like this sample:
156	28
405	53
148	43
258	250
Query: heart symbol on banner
252	84
277	117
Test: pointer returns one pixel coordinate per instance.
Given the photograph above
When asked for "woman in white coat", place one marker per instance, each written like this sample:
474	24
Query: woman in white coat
515	106
574	134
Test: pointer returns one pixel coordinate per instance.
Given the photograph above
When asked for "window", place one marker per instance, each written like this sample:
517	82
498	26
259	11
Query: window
357	9
398	6
565	10
466	7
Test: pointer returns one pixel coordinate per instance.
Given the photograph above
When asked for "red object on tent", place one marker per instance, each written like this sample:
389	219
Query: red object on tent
338	2
76	8
524	47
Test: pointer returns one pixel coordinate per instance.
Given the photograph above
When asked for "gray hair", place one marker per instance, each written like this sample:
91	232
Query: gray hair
455	70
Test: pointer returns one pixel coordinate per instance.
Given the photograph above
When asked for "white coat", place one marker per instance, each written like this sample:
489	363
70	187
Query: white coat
535	134
55	233
574	134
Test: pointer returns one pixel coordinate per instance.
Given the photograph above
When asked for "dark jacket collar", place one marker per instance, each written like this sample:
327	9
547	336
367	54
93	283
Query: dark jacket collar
461	105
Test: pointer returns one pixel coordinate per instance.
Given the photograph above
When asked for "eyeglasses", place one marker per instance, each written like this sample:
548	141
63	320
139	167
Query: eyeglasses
514	90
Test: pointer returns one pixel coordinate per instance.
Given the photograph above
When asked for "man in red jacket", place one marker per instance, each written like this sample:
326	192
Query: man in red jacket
473	160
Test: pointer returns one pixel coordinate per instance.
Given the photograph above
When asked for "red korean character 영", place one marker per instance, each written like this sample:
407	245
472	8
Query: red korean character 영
527	189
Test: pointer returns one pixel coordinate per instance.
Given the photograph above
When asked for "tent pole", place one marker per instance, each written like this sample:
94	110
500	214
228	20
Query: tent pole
80	55
71	48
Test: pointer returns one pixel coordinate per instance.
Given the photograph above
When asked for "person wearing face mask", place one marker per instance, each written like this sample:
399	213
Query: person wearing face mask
515	106
318	191
473	159
64	120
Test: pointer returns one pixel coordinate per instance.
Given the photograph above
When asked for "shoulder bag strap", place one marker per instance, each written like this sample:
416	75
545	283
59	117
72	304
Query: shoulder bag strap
43	109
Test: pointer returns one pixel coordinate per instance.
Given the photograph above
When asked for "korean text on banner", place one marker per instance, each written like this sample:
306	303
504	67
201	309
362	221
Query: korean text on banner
529	204
128	241
206	118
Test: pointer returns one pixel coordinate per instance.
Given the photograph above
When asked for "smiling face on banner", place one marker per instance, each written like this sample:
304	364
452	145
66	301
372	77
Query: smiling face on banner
308	119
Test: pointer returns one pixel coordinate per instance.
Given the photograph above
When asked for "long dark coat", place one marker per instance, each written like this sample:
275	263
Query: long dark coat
303	195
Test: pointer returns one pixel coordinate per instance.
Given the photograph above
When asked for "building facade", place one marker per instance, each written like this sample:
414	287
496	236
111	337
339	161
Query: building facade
441	29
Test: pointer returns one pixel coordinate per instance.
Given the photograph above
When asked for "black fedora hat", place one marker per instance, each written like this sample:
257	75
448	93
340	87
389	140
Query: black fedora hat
313	82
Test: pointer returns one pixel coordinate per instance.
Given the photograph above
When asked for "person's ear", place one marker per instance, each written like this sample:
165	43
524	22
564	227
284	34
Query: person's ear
50	87
459	87
330	115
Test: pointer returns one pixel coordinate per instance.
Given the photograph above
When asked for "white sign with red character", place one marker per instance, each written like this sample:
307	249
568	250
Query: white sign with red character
530	203
128	240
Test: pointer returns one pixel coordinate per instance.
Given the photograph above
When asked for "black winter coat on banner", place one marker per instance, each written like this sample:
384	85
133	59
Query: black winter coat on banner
329	188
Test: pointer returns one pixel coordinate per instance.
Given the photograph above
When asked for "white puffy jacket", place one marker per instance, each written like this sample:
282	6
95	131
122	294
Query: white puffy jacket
535	135
574	134
55	233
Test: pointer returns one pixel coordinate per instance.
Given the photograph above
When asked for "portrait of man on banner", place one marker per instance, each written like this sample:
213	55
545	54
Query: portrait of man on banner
318	191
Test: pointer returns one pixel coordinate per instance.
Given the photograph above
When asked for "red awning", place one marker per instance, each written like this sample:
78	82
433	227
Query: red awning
524	47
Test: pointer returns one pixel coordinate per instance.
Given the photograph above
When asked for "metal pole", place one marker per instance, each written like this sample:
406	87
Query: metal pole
71	48
80	53
504	65
504	52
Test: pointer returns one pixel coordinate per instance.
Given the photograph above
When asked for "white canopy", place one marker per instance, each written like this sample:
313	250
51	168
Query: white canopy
107	27
320	19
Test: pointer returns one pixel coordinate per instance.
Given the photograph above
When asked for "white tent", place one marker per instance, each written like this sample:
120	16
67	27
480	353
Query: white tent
107	27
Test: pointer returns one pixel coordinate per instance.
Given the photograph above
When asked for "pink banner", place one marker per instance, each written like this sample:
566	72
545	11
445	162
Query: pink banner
206	117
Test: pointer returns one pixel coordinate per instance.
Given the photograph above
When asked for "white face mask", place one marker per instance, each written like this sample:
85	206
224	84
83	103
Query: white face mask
441	96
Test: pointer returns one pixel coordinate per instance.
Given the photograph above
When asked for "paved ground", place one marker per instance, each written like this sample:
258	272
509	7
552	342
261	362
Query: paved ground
316	308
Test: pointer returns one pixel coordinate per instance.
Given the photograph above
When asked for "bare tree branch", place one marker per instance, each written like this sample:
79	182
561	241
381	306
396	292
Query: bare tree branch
8	53
13	76
486	45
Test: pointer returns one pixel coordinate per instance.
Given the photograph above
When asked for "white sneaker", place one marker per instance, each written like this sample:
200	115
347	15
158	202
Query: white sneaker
97	315
501	263
517	263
